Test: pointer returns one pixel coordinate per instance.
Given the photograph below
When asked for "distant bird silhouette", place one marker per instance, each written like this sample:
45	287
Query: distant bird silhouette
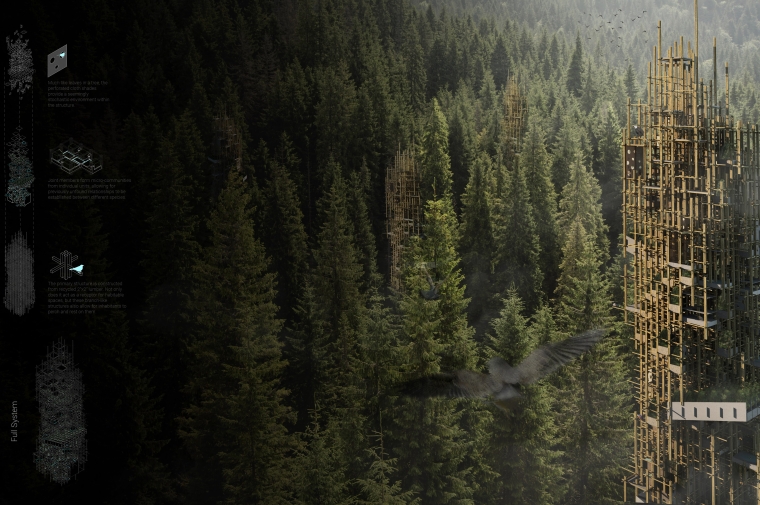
78	269
503	382
432	293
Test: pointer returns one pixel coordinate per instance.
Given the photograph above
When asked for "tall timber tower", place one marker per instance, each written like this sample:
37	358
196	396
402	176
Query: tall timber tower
691	215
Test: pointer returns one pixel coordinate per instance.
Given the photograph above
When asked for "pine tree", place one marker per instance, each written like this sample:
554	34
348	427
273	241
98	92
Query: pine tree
462	141
520	445
235	364
500	63
358	189
284	233
415	68
377	486
435	164
543	200
593	394
334	110
437	337
518	248
320	476
574	71
581	200
477	241
337	280
631	87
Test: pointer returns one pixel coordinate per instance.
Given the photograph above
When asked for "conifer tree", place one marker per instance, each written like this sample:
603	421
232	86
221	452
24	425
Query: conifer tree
593	394
334	110
284	233
500	62
517	253
232	425
438	337
320	477
435	164
415	68
462	141
543	200
377	486
358	189
477	240
574	71
631	87
520	445
580	199
337	281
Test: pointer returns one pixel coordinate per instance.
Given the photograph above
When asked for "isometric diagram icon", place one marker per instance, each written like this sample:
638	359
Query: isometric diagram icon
63	266
20	70
61	444
70	156
20	169
58	60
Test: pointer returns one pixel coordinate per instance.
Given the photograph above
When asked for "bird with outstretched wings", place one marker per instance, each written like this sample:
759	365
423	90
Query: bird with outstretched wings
503	382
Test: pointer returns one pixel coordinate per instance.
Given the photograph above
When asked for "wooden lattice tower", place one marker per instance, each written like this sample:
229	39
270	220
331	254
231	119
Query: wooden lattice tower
403	210
691	189
515	111
229	147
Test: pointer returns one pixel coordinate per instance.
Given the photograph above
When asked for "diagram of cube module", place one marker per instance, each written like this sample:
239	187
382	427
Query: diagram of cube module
70	156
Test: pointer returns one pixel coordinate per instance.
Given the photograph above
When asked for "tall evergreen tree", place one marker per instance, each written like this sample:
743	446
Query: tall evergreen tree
593	394
517	253
437	337
233	425
462	141
581	200
543	200
520	446
337	281
574	71
631	87
500	62
435	164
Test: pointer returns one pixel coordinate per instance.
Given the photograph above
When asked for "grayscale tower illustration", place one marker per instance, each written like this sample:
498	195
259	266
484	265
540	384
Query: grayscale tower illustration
61	445
19	276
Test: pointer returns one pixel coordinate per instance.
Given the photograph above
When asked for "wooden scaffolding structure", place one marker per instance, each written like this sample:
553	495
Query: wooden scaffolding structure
403	210
691	215
515	112
228	145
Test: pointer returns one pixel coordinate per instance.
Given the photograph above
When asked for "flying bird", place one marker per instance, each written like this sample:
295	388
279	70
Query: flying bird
432	293
78	269
504	382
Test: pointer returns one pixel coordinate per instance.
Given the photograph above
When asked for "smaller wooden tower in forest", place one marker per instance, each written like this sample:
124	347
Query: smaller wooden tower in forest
403	210
228	146
515	112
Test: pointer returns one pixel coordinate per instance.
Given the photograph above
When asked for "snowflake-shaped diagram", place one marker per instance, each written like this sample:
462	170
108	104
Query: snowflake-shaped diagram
70	156
63	266
20	168
20	71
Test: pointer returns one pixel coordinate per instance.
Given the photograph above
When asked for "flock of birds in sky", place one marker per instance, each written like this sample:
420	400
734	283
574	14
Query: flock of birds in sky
618	17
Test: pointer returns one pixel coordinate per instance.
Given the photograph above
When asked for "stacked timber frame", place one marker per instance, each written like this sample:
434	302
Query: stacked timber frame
403	210
691	191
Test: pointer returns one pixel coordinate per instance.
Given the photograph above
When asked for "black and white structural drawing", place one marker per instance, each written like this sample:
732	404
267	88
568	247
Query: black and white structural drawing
70	156
58	60
20	70
19	276
64	262
61	445
20	171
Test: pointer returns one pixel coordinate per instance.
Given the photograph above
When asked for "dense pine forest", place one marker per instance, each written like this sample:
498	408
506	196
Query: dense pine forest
259	357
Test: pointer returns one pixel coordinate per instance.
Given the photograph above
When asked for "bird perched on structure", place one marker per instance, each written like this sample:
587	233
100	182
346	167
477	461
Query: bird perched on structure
503	382
636	131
